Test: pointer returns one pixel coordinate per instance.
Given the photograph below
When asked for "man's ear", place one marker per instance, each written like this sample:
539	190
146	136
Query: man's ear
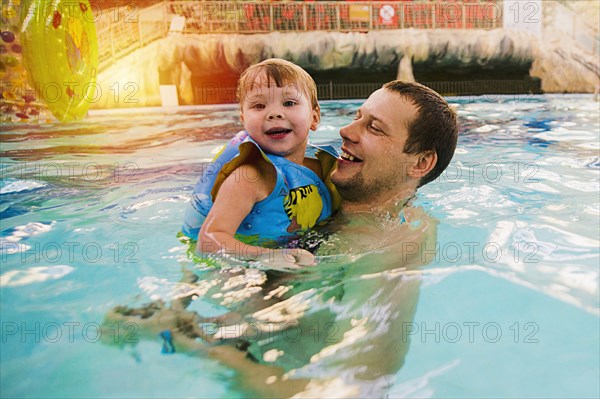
426	161
315	118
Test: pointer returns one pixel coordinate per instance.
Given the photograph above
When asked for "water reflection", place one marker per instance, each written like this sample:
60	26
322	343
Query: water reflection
335	329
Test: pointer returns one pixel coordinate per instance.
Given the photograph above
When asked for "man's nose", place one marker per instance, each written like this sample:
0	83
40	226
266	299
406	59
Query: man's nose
349	132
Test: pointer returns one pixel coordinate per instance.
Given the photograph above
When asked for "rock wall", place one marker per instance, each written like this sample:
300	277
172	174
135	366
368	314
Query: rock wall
188	60
566	57
336	50
565	68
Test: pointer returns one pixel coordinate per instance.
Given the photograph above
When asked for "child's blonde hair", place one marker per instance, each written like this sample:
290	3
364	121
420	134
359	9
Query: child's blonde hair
282	73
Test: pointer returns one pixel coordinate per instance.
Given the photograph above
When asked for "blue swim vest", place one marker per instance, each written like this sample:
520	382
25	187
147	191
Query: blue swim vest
299	200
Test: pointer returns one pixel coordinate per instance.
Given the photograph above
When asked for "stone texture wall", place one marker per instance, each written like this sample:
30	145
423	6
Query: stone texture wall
189	60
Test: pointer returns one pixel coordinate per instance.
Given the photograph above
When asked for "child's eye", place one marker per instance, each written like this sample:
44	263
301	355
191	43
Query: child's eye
289	103
258	106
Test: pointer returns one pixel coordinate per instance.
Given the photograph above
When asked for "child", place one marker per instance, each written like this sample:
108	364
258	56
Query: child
261	190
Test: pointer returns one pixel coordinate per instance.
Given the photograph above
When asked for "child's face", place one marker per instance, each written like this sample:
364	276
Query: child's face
279	118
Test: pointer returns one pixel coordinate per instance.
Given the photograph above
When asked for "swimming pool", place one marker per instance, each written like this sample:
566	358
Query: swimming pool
509	307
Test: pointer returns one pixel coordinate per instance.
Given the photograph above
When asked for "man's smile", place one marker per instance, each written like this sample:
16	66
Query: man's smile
347	156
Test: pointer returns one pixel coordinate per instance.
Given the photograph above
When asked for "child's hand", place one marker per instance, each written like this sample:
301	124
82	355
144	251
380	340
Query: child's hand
289	259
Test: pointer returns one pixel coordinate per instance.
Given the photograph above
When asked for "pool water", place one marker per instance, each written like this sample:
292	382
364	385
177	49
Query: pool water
508	307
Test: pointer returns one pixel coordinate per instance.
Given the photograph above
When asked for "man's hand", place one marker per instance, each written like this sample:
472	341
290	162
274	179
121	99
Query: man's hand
287	260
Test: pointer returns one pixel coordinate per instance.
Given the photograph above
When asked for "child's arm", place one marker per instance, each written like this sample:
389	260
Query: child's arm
238	193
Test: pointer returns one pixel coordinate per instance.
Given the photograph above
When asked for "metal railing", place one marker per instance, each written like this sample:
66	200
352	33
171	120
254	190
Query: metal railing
224	94
121	30
262	17
483	87
341	91
345	91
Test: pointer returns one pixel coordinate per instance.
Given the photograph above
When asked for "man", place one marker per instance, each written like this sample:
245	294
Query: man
337	332
402	137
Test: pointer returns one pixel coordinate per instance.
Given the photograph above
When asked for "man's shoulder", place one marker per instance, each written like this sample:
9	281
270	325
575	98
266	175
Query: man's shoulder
314	165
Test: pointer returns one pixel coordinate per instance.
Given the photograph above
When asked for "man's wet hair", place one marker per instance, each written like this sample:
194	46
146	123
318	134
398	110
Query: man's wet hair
434	128
280	73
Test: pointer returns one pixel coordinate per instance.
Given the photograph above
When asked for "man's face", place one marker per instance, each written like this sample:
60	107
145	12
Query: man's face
373	166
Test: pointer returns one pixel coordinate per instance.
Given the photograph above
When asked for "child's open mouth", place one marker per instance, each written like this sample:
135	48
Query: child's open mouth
277	132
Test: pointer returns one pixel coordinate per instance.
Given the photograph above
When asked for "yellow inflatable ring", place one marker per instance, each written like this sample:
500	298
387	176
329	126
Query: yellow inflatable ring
60	54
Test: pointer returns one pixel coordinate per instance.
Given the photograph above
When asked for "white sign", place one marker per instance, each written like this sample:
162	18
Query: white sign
177	24
523	15
387	12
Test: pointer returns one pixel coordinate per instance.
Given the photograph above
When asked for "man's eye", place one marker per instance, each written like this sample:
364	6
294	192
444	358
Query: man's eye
375	129
356	116
289	103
